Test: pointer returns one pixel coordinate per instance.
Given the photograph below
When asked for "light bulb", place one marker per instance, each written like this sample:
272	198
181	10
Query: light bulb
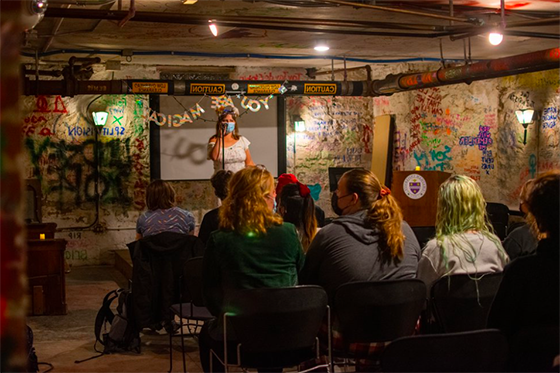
321	48
213	28
495	38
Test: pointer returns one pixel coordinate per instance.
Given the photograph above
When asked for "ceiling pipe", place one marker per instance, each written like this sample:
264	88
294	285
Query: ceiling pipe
475	21
173	18
536	61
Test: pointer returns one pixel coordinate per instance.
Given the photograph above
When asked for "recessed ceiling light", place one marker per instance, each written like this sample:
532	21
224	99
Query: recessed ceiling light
321	47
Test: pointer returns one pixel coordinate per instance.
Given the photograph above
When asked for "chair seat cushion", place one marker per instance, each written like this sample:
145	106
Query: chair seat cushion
190	311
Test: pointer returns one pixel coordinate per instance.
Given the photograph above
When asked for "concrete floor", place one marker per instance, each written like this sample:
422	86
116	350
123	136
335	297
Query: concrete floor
60	340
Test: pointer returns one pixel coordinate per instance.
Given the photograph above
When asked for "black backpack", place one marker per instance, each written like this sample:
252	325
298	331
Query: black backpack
32	362
117	332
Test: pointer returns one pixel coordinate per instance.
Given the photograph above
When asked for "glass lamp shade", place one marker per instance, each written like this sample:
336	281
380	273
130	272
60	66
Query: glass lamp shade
100	117
525	116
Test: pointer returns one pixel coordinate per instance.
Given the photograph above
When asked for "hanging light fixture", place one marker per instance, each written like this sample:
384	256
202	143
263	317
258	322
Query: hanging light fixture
213	27
495	38
525	117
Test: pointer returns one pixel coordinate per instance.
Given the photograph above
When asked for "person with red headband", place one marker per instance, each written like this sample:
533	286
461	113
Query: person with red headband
296	206
286	179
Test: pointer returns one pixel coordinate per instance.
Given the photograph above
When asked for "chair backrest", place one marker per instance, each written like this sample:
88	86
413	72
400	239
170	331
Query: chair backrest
192	282
277	319
534	349
461	302
378	311
475	351
498	213
424	234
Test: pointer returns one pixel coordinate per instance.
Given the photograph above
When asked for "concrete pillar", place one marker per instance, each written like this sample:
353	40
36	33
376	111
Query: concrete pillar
12	235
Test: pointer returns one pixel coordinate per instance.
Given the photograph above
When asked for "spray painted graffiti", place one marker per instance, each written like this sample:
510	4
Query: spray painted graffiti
434	160
69	170
550	117
483	140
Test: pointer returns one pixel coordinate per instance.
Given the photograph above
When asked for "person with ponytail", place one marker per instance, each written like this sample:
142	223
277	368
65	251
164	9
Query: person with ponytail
297	207
369	242
464	241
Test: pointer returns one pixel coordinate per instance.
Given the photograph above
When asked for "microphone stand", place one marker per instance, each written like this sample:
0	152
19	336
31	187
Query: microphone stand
223	147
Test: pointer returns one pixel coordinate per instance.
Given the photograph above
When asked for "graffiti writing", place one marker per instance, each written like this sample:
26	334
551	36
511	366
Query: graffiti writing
434	160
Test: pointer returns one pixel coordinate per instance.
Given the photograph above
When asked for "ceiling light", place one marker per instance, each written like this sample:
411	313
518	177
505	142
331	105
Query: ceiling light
189	2
322	47
495	38
213	28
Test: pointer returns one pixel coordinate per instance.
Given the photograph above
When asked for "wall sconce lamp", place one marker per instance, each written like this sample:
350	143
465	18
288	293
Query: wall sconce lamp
299	124
525	117
100	117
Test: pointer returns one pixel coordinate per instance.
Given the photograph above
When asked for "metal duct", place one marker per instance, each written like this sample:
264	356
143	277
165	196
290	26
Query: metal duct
194	88
535	61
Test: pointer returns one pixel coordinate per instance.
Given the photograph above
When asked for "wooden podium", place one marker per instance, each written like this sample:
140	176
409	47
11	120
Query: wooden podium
416	192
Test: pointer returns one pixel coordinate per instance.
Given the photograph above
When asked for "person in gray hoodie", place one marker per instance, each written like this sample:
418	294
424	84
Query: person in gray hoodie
369	242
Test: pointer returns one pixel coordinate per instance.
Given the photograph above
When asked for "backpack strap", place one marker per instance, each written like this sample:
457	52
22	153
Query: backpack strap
104	315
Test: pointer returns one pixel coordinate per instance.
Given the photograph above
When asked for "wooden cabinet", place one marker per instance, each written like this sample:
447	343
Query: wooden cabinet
46	278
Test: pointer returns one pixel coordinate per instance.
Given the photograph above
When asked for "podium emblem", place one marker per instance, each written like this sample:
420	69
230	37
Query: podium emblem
415	186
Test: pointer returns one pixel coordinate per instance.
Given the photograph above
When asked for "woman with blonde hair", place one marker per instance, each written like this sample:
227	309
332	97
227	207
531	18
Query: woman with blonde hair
369	242
464	241
253	248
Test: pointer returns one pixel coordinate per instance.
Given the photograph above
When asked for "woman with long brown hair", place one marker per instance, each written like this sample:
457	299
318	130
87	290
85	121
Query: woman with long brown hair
297	207
252	249
369	242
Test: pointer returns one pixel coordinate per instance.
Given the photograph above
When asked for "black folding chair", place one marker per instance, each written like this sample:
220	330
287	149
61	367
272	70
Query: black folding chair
462	302
498	213
475	351
377	311
424	234
274	327
534	349
191	309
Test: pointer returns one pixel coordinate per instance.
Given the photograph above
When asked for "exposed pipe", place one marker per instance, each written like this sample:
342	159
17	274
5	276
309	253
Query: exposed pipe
160	17
536	61
507	32
314	74
82	2
403	11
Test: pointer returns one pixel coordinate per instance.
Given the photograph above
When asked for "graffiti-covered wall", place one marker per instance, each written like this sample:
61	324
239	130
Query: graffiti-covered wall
468	129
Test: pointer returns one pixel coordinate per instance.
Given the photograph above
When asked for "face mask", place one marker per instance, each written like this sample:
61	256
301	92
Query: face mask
334	204
275	207
230	127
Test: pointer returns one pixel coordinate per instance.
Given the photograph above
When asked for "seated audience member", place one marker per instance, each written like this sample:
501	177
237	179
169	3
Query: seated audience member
529	293
297	207
369	242
163	215
522	241
286	179
210	220
464	241
252	249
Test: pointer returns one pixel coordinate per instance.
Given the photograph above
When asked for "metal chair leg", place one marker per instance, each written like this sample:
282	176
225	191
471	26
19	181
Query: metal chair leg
170	353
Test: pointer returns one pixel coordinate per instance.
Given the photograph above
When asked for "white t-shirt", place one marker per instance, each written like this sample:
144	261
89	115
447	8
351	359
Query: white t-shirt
236	155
